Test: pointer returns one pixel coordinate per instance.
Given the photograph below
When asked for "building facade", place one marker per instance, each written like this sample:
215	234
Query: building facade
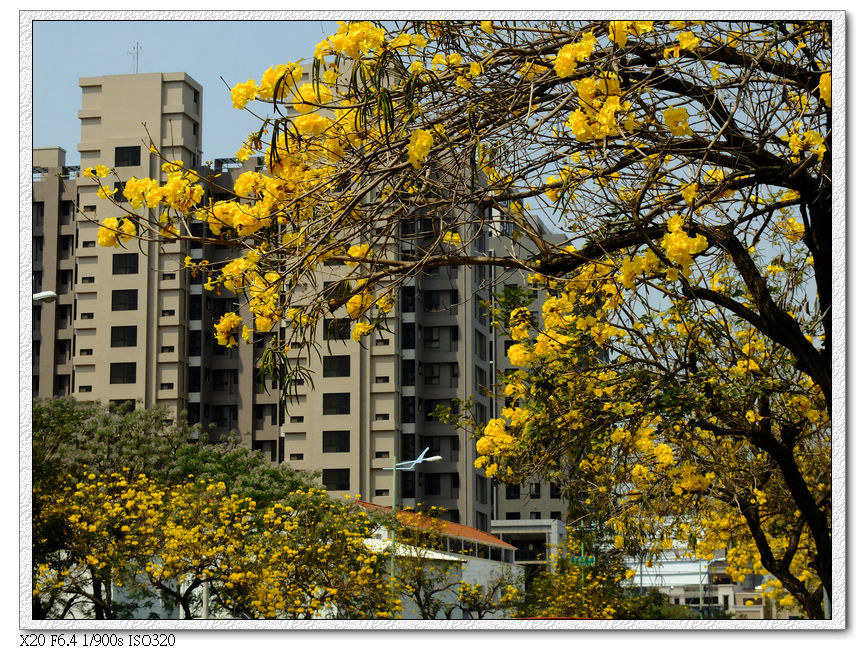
130	325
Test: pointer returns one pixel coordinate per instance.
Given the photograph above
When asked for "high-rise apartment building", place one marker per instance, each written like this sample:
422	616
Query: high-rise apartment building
130	325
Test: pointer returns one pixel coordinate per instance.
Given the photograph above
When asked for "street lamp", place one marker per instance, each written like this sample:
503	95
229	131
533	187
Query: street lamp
406	464
44	296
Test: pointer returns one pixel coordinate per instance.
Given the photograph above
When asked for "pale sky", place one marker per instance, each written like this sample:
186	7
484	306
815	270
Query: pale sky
208	50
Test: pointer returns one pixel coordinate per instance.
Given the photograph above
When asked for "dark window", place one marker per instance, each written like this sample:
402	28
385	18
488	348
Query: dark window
556	514
166	348
408	342
408	409
124	336
555	491
432	484
122	373
512	515
295	419
121	405
127	156
337	329
382	454
125	263
408	372
337	366
195	379
124	299
407	299
336	403
512	492
382	416
534	515
335	479
334	442
195	307
534	490
169	276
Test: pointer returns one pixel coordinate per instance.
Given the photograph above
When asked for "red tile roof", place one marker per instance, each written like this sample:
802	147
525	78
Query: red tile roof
441	526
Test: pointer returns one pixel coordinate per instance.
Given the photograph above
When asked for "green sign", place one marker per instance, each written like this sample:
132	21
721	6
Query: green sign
583	560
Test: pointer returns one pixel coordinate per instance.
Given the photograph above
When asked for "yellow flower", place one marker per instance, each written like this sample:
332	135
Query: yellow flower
361	329
826	88
688	41
242	93
419	146
359	303
676	120
487	26
308	95
452	239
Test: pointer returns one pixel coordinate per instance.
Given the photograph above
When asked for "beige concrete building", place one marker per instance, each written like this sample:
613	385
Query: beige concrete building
130	325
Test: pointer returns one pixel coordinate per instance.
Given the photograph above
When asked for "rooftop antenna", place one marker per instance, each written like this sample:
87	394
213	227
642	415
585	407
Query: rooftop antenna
134	52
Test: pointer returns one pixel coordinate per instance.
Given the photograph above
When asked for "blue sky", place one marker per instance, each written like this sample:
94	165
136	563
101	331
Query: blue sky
208	50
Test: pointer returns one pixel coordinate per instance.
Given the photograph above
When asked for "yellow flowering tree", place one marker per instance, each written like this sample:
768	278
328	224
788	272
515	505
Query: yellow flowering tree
688	166
304	557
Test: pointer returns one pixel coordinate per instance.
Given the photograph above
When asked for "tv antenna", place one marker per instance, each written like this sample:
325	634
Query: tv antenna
136	49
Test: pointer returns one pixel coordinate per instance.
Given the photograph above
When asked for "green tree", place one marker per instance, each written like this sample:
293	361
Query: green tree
687	166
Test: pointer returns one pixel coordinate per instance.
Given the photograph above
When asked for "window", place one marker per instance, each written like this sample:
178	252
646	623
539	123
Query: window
166	385
555	491
86	352
512	492
432	484
122	373
90	243
295	419
125	263
121	405
124	336
408	342
534	490
87	315
408	372
555	514
408	410
337	329
431	337
169	276
407	299
512	515
534	515
167	312
382	492
336	403
167	348
124	299
382	380
295	457
380	417
381	342
432	374
382	454
336	366
85	389
335	479
335	442
127	156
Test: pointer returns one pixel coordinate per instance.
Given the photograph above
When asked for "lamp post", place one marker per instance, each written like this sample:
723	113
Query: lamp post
44	296
406	464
